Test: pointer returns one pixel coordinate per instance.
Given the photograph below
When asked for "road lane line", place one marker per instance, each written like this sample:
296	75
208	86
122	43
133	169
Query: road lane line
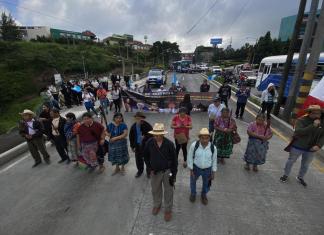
13	164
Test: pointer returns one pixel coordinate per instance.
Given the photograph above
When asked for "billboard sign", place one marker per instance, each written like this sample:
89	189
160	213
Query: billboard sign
216	41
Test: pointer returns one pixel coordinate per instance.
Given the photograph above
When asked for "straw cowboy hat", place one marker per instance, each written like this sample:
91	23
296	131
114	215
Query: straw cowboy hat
29	112
158	129
140	114
313	107
204	131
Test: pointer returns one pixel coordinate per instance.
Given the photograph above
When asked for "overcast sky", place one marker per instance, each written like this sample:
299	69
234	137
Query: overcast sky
159	19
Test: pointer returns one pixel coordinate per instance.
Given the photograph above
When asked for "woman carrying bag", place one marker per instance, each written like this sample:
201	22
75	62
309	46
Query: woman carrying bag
181	123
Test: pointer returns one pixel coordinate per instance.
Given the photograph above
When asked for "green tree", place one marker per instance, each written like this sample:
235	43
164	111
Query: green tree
8	28
164	51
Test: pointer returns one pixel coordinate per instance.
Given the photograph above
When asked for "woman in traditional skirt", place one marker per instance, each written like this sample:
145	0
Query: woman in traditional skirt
224	126
89	135
118	150
259	133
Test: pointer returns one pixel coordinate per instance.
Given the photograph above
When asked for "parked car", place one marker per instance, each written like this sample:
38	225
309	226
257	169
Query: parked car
156	77
249	76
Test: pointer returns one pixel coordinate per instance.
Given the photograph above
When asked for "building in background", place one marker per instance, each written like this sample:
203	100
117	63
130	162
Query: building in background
117	39
187	56
32	32
287	28
138	45
203	54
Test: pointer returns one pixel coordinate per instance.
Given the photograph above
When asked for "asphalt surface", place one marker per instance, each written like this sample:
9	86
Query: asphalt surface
60	199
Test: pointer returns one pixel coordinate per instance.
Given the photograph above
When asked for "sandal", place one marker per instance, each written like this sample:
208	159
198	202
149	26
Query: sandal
255	169
247	167
116	171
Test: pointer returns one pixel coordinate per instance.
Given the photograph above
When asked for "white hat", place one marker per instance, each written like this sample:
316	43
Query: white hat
158	129
27	111
204	131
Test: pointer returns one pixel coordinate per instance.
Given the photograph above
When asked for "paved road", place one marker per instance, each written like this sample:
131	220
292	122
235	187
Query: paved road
59	199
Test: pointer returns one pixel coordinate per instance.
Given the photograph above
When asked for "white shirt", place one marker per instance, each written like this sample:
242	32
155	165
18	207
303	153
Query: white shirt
87	97
31	130
55	123
203	157
215	112
115	94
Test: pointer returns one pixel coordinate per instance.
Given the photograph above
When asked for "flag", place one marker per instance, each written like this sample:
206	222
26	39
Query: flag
316	96
174	79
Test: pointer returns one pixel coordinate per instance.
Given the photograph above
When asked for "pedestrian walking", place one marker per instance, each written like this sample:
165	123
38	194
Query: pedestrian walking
214	111
118	150
102	96
186	103
205	87
242	96
66	91
307	139
202	161
58	123
90	135
224	127
88	101
160	155
268	98
70	131
138	136
257	147
116	96
46	120
31	129
181	123
225	92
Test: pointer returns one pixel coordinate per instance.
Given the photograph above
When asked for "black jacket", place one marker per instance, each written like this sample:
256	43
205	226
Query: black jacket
204	87
163	158
225	91
37	126
188	106
145	128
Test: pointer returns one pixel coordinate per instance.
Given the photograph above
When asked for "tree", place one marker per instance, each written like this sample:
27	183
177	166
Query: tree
164	51
8	28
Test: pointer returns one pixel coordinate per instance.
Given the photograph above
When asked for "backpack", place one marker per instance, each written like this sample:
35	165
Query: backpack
212	148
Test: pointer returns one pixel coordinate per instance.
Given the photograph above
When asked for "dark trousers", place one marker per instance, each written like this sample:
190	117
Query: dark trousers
101	155
225	100
240	109
184	149
117	105
267	107
140	160
61	146
35	146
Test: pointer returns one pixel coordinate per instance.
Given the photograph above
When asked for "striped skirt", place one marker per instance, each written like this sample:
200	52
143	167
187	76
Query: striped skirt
89	153
118	152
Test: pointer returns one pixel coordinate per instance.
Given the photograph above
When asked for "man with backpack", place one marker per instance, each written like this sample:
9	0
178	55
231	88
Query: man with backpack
202	161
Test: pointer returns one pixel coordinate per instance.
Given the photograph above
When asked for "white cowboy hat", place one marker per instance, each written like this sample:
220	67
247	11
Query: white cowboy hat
27	111
204	131
158	129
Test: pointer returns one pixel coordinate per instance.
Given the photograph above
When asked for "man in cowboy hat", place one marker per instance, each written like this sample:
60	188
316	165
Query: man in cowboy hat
138	135
32	131
160	155
202	161
308	138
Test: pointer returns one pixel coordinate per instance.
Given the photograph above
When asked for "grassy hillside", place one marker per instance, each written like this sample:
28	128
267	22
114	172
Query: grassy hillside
25	67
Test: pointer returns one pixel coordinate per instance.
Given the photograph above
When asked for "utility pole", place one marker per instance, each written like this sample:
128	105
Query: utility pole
310	69
294	85
84	71
290	55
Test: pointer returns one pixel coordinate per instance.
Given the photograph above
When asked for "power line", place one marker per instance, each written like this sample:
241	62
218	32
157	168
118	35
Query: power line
202	17
41	13
238	15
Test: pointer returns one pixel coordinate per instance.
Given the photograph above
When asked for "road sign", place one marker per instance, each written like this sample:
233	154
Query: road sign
216	41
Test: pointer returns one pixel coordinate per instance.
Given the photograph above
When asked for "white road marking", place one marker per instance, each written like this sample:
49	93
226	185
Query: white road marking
13	164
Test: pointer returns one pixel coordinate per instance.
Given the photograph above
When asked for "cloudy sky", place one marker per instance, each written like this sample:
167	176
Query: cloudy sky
188	22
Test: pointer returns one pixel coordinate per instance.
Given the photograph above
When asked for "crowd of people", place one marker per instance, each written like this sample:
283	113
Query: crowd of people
89	141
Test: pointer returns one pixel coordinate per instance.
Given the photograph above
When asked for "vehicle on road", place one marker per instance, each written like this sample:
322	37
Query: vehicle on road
156	77
216	70
271	68
249	76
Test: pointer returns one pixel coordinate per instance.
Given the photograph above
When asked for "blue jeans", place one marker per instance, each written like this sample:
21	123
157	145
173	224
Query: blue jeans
105	104
205	174
294	154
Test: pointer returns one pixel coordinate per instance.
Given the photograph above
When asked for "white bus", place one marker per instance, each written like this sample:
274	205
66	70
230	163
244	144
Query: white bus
271	69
